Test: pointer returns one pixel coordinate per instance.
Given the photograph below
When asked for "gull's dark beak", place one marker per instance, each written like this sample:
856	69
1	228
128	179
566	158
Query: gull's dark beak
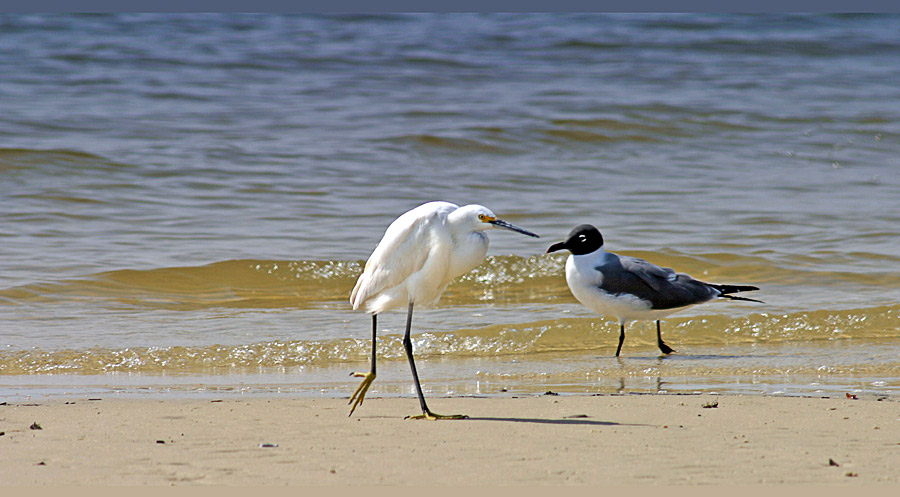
557	246
503	224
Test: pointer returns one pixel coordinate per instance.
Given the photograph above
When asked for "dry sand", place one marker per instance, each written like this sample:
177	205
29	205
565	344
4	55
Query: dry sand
542	440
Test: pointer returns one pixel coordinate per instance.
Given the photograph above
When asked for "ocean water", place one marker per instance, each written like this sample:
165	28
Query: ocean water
186	200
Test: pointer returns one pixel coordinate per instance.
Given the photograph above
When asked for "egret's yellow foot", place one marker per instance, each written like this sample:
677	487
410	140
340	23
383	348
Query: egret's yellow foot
434	417
360	394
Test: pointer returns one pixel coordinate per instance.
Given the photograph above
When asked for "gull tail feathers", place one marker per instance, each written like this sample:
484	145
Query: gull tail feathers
732	297
727	290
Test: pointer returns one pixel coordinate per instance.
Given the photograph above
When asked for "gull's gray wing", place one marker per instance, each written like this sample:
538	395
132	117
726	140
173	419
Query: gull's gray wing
662	287
650	274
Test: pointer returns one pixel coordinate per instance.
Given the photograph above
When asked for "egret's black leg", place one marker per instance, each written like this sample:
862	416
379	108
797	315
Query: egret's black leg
407	344
374	336
659	341
360	394
621	338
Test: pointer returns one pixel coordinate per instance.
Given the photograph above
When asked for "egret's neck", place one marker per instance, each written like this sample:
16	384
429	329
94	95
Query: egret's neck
469	248
461	223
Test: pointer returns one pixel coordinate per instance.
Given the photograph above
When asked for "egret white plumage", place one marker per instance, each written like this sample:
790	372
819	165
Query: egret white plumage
421	252
630	288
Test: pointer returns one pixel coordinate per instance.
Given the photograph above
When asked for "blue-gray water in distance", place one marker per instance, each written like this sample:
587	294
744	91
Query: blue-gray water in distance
187	200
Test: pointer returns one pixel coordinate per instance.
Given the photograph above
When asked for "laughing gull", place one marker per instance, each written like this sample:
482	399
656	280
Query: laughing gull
630	288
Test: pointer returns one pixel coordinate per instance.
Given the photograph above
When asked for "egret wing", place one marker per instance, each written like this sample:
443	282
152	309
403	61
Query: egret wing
407	245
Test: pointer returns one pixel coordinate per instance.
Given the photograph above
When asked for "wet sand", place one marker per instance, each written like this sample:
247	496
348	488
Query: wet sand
540	440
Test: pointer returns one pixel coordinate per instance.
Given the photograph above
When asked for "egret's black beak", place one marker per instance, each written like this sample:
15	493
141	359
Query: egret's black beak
557	246
503	224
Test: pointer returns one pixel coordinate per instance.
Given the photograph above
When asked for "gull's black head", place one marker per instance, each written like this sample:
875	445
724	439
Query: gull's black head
584	239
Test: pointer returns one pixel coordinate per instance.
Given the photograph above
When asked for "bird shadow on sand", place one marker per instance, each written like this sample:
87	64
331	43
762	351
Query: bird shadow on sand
565	421
573	421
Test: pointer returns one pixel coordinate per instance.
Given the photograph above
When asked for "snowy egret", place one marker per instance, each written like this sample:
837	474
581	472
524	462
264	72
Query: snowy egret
421	252
630	288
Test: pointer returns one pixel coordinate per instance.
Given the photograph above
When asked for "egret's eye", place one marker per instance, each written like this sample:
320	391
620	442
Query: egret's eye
482	218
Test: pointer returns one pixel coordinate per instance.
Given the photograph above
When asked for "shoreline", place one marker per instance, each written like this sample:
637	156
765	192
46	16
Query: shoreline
620	439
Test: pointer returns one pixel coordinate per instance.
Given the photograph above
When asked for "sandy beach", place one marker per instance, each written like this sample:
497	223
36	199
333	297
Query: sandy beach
539	440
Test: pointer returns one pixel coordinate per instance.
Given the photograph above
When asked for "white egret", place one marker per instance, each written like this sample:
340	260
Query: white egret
421	252
630	288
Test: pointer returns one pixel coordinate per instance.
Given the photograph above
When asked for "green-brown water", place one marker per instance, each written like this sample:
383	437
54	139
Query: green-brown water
186	201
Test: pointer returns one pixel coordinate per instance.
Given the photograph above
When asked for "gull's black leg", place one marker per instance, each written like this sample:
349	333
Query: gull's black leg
659	341
621	338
